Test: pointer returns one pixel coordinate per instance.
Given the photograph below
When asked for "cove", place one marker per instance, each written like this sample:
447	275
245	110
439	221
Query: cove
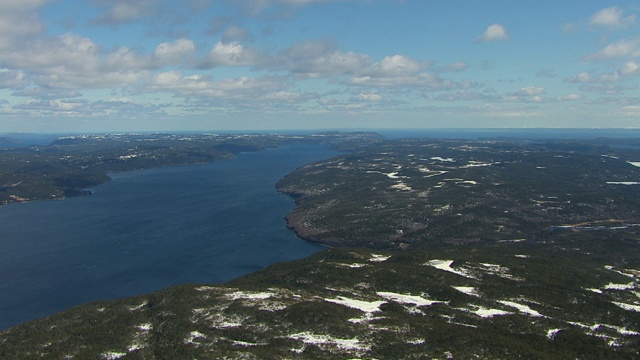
150	229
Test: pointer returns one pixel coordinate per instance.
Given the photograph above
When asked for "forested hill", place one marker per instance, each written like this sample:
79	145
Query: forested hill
495	249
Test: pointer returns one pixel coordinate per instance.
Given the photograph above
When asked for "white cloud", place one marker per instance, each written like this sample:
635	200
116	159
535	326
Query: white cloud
125	59
607	88
612	17
235	34
401	71
173	53
46	93
493	33
630	68
256	7
232	54
580	78
622	48
530	91
534	94
241	88
367	97
396	65
122	11
70	61
19	18
287	96
570	97
12	79
317	59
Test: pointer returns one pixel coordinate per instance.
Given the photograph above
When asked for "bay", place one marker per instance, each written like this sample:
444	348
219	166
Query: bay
147	230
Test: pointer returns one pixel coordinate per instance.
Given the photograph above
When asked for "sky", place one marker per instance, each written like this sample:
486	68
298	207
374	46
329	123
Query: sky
202	65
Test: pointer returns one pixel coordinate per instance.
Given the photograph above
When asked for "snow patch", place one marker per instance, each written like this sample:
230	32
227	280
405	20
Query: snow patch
247	295
416	341
112	355
488	313
407	299
551	333
445	265
611	268
438	158
190	339
469	290
364	306
521	307
138	307
379	258
401	186
628	307
612	286
316	339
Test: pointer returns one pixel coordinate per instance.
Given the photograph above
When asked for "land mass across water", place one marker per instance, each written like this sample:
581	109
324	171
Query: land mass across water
494	248
71	164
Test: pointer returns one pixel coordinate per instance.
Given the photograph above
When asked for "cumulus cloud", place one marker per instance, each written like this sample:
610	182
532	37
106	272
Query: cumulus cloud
402	71
367	97
622	48
607	88
47	93
528	94
123	11
256	7
173	53
630	68
580	78
19	19
231	54
317	59
245	88
529	91
612	17
394	66
494	32
12	79
236	34
570	97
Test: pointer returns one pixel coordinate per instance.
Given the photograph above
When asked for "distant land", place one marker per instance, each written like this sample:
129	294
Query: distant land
443	248
71	164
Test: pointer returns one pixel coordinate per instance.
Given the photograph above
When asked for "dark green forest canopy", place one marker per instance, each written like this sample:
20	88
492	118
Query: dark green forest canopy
417	193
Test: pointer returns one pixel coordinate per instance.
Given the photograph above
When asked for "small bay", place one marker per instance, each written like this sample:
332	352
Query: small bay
147	230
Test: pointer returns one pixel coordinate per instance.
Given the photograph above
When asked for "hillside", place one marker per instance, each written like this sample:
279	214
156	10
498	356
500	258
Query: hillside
441	249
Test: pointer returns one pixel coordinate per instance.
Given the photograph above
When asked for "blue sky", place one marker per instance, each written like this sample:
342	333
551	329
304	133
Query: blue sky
162	65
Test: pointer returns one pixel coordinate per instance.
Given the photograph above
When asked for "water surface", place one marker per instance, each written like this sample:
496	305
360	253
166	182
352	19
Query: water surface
147	230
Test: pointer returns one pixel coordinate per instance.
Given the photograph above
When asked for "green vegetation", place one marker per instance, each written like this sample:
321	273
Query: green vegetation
412	193
445	249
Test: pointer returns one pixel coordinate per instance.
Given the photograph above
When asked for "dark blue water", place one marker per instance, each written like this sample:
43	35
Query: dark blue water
148	230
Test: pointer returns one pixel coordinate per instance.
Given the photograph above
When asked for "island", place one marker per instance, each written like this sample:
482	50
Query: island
437	248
